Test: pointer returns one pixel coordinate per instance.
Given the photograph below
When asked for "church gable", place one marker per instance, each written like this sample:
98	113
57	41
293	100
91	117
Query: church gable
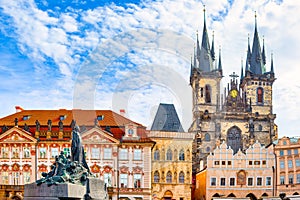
96	135
16	135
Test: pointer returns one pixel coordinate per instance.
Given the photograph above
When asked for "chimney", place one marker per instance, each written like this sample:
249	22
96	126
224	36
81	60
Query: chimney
122	112
19	109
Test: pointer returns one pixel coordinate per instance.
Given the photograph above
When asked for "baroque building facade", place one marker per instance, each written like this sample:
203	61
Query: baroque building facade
117	149
238	175
171	156
239	114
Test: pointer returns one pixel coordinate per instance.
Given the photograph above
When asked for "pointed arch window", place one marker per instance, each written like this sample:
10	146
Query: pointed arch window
260	95
181	177
207	94
181	154
156	177
169	154
169	177
156	155
207	137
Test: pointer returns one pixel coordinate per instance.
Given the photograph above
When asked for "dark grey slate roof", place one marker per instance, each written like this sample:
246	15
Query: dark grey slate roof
166	119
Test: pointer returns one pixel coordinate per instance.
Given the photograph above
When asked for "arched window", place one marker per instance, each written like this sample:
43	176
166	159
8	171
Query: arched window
169	177
181	177
181	154
207	94
156	177
234	138
260	95
169	154
156	155
207	137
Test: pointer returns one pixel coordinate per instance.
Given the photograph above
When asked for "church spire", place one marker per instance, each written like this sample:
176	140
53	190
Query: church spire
212	51
205	61
256	63
195	60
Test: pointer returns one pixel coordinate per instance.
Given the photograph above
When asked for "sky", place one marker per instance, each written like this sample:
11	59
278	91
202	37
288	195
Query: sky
133	55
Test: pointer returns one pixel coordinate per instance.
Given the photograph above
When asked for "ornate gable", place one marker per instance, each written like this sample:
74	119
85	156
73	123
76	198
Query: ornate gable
17	135
99	136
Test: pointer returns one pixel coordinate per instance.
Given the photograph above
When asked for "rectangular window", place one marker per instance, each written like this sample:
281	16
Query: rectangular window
123	154
223	162
232	181
4	178
268	181
137	179
217	163
107	153
290	163
201	92
229	162
281	180
250	181
222	182
43	152
281	164
259	181
26	176
107	179
123	180
281	153
256	162
213	181
54	152
95	153
298	178
289	152
297	163
26	152
264	162
15	152
4	151
137	154
291	179
67	151
250	162
296	151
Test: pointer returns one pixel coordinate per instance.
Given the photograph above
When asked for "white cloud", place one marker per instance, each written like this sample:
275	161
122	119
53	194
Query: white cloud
68	37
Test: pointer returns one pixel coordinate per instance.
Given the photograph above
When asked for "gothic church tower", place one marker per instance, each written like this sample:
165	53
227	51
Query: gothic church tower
241	113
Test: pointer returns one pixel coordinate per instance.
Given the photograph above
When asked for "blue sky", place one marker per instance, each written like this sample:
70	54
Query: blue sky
135	54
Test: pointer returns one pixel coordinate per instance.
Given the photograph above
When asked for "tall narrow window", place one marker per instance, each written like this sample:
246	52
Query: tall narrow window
169	177
156	177
207	94
207	137
181	177
107	179
169	154
156	155
181	154
260	95
123	180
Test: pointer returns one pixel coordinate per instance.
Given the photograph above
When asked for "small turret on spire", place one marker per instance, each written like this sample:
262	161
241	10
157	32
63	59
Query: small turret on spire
248	56
263	53
195	59
198	47
212	51
220	63
242	70
272	66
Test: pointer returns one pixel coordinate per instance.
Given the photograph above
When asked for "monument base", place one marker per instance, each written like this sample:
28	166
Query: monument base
62	191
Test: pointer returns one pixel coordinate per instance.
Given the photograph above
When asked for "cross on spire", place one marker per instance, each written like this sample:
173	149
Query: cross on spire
233	76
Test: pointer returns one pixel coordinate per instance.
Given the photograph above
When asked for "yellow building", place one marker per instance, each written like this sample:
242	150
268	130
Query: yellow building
171	156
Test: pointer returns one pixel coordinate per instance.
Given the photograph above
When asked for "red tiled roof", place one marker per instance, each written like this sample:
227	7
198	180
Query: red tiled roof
82	117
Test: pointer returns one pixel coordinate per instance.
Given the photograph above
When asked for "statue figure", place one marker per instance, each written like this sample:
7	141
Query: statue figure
49	124
4	128
73	123
26	127
95	122
60	125
37	125
16	121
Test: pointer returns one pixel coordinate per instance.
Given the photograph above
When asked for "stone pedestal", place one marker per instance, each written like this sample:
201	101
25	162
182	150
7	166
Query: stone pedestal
65	191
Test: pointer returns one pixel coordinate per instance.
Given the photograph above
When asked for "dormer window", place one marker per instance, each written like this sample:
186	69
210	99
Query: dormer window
62	117
26	117
100	117
130	131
